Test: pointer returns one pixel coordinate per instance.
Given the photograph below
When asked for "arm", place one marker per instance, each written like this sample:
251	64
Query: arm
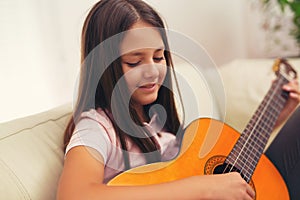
82	179
292	102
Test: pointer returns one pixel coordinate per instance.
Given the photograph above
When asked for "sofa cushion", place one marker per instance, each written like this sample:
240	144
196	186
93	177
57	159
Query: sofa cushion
31	155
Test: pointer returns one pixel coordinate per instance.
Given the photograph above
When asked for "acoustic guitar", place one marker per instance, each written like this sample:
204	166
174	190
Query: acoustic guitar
231	152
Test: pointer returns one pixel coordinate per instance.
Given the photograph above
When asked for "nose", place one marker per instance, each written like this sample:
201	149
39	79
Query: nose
150	70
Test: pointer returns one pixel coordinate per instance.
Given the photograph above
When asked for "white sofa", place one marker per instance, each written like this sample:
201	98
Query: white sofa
31	155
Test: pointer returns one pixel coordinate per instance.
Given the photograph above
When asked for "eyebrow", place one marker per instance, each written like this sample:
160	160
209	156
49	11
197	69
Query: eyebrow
141	53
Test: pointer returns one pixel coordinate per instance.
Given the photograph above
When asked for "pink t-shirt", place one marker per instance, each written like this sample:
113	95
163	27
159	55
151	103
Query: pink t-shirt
96	131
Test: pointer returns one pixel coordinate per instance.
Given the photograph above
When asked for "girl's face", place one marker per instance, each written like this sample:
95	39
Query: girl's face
143	62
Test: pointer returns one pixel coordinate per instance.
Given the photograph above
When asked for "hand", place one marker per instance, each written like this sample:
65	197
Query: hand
294	97
293	100
229	186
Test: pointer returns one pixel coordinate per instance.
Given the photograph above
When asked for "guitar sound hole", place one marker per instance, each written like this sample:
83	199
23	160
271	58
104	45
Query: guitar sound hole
217	165
226	168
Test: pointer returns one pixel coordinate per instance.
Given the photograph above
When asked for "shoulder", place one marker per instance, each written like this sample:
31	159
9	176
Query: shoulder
96	115
96	122
94	129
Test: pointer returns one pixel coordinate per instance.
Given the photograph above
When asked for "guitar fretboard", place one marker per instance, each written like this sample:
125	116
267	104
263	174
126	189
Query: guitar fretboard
252	142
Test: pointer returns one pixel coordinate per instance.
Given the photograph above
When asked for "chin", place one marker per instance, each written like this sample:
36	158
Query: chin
149	100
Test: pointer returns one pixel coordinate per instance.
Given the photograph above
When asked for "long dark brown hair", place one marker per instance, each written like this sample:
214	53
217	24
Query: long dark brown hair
106	19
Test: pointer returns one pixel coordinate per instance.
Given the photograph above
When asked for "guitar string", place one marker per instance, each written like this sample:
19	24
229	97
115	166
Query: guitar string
273	113
256	143
231	168
228	164
255	150
266	128
261	114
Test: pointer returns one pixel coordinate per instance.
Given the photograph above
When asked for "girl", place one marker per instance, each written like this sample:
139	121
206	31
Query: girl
117	119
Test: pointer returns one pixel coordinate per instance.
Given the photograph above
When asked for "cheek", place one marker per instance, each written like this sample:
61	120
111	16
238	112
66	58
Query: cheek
162	74
127	75
130	77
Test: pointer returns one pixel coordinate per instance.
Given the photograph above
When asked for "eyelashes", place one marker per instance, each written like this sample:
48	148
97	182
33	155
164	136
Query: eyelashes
158	59
134	64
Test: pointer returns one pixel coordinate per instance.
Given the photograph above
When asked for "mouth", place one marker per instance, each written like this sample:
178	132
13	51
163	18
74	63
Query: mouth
148	86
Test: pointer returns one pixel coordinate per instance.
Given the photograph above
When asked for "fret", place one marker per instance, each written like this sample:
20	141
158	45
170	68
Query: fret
263	129
245	165
250	154
250	145
255	144
259	129
261	139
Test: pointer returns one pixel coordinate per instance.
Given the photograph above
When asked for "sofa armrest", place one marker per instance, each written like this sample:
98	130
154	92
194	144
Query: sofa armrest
31	155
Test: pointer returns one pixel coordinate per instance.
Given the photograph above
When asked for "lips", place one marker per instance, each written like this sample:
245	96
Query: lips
151	85
148	88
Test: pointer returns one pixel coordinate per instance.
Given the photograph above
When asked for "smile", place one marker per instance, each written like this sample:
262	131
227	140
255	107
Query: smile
148	87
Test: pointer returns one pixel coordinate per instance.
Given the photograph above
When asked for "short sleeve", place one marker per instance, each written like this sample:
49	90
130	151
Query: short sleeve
91	133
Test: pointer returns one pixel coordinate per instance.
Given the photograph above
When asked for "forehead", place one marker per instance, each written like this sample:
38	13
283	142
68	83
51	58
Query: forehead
141	36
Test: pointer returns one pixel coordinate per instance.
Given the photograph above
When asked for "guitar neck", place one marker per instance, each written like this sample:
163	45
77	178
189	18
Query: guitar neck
252	142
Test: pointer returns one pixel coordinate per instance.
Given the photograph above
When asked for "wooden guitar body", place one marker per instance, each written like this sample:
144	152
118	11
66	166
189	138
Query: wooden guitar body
266	180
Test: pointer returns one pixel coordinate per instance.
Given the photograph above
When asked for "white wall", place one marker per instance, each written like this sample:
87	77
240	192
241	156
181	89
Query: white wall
217	25
40	44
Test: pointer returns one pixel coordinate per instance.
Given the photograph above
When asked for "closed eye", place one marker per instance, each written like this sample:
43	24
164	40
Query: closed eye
133	64
158	59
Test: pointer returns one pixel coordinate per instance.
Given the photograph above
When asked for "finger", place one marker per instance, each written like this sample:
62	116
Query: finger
251	192
295	95
290	87
295	81
293	91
